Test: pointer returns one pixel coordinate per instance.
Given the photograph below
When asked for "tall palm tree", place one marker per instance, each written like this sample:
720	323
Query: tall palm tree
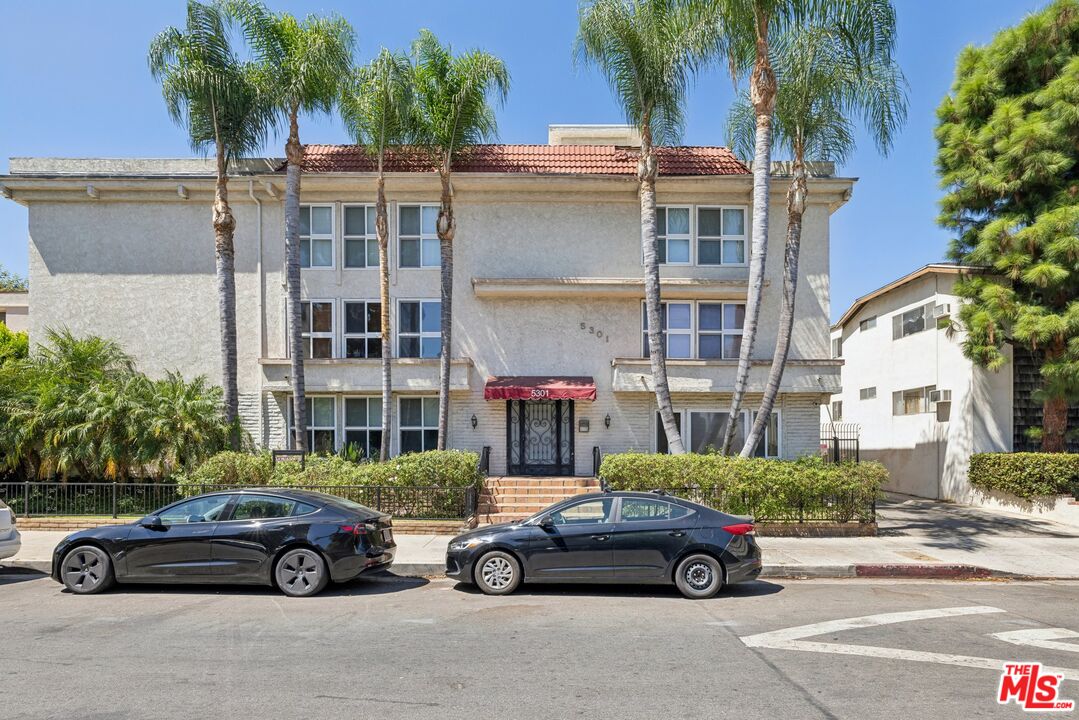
377	107
222	103
306	62
649	50
454	95
828	74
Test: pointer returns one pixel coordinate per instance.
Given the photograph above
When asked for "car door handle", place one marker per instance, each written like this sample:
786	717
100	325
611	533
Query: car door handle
677	533
601	537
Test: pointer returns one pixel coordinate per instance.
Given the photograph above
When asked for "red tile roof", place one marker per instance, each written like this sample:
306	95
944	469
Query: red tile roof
533	159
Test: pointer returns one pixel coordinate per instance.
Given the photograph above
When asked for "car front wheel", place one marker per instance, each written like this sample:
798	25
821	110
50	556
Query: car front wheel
301	572
498	573
699	577
86	570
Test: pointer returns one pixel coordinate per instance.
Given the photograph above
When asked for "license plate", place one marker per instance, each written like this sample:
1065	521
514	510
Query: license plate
387	536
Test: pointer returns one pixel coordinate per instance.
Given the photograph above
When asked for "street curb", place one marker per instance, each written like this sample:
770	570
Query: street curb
44	566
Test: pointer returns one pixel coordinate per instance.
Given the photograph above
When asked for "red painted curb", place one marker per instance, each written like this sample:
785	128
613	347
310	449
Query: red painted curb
949	572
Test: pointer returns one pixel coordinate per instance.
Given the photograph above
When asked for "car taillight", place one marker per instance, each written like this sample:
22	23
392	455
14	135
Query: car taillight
740	529
354	530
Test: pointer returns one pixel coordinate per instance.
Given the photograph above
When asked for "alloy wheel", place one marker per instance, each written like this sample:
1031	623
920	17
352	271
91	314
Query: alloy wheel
497	573
85	569
300	572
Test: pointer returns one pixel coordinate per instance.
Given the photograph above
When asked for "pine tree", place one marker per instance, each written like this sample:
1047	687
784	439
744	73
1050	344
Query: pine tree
1009	163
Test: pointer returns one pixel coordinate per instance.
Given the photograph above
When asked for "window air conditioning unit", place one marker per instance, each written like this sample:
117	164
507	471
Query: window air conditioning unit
942	311
939	396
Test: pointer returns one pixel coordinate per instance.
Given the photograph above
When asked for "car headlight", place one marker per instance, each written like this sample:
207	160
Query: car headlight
468	544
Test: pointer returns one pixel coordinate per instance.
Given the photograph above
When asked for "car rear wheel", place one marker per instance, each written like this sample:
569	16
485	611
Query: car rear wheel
86	570
301	572
498	573
699	577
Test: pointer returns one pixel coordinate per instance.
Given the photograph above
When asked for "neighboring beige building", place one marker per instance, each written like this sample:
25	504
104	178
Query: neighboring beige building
15	310
923	408
547	297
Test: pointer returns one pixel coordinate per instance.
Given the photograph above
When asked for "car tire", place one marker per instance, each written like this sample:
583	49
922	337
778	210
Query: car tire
498	573
87	569
301	572
699	577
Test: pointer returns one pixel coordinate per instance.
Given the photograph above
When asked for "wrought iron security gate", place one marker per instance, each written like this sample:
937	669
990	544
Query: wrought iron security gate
539	437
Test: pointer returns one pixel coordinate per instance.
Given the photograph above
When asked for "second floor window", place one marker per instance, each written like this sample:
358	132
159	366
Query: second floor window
361	240
913	401
419	329
705	330
912	321
418	237
363	329
316	322
721	236
316	236
672	235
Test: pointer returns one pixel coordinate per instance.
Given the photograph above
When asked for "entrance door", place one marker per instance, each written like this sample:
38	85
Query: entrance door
539	437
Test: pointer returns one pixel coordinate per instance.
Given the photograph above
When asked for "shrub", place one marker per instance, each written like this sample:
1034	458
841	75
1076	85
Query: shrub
13	345
231	468
769	490
1026	475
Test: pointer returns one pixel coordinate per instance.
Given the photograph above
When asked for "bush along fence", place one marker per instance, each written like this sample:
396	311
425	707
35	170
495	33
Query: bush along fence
1026	475
772	491
424	486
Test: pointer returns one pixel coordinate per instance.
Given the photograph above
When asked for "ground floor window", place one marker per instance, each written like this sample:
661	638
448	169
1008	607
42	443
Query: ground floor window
363	425
418	421
913	401
661	435
707	427
321	424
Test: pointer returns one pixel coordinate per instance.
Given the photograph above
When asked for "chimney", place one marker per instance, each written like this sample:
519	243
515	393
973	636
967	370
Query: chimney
621	135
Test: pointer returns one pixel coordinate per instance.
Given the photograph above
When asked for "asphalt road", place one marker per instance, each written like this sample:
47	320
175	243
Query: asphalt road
416	649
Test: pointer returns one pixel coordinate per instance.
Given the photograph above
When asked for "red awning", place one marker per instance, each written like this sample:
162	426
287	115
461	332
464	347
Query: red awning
534	387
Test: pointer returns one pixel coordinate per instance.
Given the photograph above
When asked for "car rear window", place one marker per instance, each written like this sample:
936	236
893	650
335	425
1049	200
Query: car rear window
639	509
304	508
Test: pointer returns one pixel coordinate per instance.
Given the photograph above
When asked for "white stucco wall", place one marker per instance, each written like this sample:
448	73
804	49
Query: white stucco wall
15	310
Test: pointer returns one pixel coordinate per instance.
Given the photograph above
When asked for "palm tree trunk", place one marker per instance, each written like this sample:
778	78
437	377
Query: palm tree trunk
382	229
796	203
294	154
646	173
446	230
763	95
224	227
1054	411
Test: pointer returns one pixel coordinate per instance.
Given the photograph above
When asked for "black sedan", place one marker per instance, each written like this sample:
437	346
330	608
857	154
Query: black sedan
611	537
295	540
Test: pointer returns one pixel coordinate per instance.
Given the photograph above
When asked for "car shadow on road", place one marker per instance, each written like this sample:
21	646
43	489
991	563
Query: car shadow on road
755	588
361	587
12	575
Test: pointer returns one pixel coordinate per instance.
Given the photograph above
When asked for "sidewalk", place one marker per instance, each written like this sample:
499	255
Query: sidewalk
918	538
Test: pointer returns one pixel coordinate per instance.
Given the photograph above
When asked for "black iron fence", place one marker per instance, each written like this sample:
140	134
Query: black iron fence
839	442
842	507
70	499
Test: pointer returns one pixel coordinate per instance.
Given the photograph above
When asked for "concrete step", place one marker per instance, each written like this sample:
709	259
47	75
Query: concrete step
527	508
545	499
565	482
495	518
537	491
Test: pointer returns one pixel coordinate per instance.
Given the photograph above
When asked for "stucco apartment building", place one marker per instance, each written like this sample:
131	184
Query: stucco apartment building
922	407
15	310
548	356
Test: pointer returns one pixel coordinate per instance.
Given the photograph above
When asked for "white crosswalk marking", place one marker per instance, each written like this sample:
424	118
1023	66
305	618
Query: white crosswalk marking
1041	637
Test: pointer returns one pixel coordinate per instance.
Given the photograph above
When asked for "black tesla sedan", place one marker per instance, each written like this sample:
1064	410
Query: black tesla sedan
611	537
294	539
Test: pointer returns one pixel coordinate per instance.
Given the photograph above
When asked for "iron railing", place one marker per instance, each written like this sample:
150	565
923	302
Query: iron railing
853	506
839	442
69	499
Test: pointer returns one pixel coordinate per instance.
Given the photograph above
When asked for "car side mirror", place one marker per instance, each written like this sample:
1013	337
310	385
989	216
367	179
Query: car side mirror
151	521
546	522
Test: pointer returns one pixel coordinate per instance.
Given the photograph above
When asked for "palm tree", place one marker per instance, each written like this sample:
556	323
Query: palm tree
221	103
649	50
307	62
454	110
377	107
827	75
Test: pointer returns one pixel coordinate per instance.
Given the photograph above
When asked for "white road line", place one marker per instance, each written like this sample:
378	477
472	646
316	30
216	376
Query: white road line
1041	637
792	639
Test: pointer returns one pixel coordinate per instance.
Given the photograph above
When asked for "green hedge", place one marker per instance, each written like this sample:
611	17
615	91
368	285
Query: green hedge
769	490
446	468
1026	475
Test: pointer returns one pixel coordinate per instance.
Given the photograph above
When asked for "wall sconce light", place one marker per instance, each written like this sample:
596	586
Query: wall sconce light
475	422
607	420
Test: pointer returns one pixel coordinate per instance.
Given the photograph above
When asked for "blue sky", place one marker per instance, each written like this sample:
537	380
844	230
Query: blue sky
73	82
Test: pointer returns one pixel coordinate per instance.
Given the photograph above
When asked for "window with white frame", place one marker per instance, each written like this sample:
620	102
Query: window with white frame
360	238
721	236
316	324
837	410
912	321
868	324
316	236
363	329
363	425
707	427
418	236
662	447
321	423
913	401
768	445
418	421
837	347
706	330
673	235
419	328
867	393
